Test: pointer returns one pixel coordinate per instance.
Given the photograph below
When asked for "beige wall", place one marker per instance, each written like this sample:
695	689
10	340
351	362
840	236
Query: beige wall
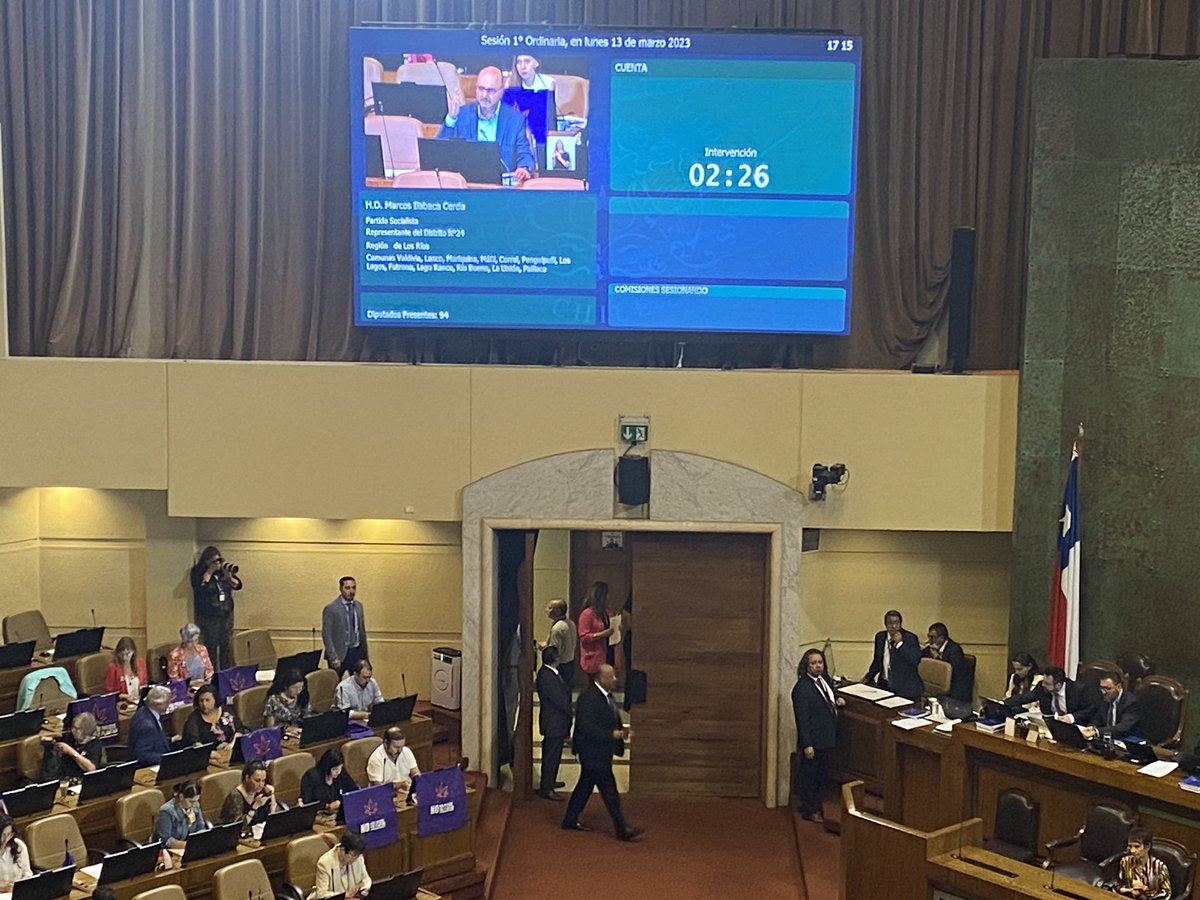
551	575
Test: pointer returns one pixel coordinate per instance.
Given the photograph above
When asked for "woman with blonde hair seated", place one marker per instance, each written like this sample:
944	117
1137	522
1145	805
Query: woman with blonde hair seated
190	659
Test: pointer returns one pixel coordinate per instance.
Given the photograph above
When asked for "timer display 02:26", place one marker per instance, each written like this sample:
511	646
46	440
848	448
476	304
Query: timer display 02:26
743	175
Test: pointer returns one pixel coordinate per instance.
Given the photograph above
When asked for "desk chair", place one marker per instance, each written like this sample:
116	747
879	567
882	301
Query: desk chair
300	864
1136	666
355	755
214	789
156	662
936	675
443	73
322	684
553	184
30	753
254	646
372	72
1015	831
571	95
1101	841
27	626
166	892
47	694
241	880
248	705
1181	862
1164	703
135	813
48	840
444	180
89	672
285	773
971	662
398	139
1090	671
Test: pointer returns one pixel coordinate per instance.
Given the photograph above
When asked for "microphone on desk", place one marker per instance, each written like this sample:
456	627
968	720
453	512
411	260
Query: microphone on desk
404	684
93	617
314	639
247	650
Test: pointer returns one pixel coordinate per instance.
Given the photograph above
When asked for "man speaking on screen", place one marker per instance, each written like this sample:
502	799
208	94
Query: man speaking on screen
487	119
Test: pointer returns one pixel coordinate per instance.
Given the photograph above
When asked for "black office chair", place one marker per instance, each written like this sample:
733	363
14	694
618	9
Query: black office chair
1090	671
1015	831
1164	702
1136	666
1101	842
1182	864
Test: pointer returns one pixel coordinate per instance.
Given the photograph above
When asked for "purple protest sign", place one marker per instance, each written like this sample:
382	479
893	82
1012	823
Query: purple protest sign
263	744
234	679
441	801
102	706
371	812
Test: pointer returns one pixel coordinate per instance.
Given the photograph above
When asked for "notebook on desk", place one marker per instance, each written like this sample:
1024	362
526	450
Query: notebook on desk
218	839
17	655
113	779
183	762
78	643
398	887
21	724
129	863
1066	734
424	102
33	798
389	712
290	821
324	727
45	885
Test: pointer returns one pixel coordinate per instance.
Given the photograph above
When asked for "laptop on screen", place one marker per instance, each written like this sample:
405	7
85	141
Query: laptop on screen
113	779
178	763
424	102
389	712
477	161
218	839
78	643
16	656
46	885
324	727
21	724
291	820
398	887
129	863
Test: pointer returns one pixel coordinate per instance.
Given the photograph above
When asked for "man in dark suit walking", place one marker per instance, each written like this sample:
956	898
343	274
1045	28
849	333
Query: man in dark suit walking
897	653
554	719
815	705
599	736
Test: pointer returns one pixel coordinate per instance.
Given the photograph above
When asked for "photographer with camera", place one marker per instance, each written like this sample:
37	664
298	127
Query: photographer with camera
213	582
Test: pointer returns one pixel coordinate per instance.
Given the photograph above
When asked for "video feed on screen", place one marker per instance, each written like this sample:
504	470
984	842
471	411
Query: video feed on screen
623	181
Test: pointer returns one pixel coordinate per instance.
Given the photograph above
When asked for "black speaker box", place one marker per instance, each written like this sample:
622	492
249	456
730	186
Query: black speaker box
961	291
633	480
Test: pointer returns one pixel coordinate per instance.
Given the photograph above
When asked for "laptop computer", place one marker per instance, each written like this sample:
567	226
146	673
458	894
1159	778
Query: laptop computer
424	102
1139	751
305	662
399	709
477	161
291	820
129	863
218	839
398	887
1066	734
21	724
77	643
113	779
45	885
178	763
324	727
996	709
539	109
33	798
15	656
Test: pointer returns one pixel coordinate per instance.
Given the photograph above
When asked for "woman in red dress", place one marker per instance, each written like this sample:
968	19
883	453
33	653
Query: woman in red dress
126	674
594	629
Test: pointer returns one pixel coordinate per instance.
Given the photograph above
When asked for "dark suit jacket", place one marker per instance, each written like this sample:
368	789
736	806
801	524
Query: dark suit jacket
510	134
904	681
816	724
147	741
1081	702
595	722
961	687
1129	711
554	716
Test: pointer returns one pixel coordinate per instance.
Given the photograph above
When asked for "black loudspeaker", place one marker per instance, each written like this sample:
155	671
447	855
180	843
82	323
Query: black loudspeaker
633	480
961	293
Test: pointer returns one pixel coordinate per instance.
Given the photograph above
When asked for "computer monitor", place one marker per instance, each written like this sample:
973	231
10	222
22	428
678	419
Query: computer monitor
290	821
218	839
324	727
424	102
47	885
389	712
476	161
398	887
33	798
16	655
1066	734
183	762
308	661
113	779
129	863
21	724
78	643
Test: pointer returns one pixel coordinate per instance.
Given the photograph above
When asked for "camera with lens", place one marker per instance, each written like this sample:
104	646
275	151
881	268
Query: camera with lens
229	568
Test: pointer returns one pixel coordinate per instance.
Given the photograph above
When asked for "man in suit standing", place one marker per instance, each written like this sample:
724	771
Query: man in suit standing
489	120
1059	696
554	719
897	654
1118	714
815	704
343	628
942	647
599	736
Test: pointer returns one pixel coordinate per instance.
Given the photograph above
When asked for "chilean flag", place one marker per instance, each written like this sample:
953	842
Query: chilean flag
1062	630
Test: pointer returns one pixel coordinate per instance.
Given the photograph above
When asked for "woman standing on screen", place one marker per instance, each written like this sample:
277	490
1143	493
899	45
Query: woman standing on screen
525	74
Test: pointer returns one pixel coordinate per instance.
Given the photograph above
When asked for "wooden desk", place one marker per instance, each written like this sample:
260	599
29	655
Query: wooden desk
860	745
976	874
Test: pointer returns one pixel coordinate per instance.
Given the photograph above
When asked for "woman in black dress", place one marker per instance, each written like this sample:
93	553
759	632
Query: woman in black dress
325	783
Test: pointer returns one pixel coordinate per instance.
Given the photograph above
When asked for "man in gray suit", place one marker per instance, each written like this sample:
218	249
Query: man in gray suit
343	628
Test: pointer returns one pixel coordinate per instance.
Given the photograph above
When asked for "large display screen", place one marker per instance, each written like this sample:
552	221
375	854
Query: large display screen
603	181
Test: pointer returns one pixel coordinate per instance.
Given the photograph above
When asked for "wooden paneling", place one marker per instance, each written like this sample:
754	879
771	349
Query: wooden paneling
700	614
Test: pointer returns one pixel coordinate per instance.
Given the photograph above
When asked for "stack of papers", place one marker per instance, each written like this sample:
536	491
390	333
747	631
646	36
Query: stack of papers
866	691
893	702
910	724
989	726
1159	768
1191	783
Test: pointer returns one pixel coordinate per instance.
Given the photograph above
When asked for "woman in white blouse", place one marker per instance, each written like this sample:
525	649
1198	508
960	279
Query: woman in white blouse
14	855
341	871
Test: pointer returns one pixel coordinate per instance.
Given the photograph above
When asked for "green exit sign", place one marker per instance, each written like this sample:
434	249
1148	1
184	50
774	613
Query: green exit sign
635	432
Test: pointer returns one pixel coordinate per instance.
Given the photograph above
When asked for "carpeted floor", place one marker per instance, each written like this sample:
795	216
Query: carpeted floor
691	849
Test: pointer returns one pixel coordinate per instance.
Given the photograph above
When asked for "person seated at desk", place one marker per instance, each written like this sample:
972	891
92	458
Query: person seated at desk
526	74
942	647
487	120
325	783
1118	714
180	816
252	800
147	740
283	707
1059	696
1141	874
897	653
126	673
392	761
190	659
14	855
359	692
341	871
78	751
1025	675
210	722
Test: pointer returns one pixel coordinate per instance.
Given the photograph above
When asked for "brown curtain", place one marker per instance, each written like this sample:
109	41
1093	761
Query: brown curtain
176	170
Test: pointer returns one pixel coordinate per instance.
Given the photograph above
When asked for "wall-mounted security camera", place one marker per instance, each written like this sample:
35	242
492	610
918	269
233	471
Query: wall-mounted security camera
824	476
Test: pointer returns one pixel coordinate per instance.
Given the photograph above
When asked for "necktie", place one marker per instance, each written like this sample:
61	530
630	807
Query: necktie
352	621
824	688
887	660
1112	713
